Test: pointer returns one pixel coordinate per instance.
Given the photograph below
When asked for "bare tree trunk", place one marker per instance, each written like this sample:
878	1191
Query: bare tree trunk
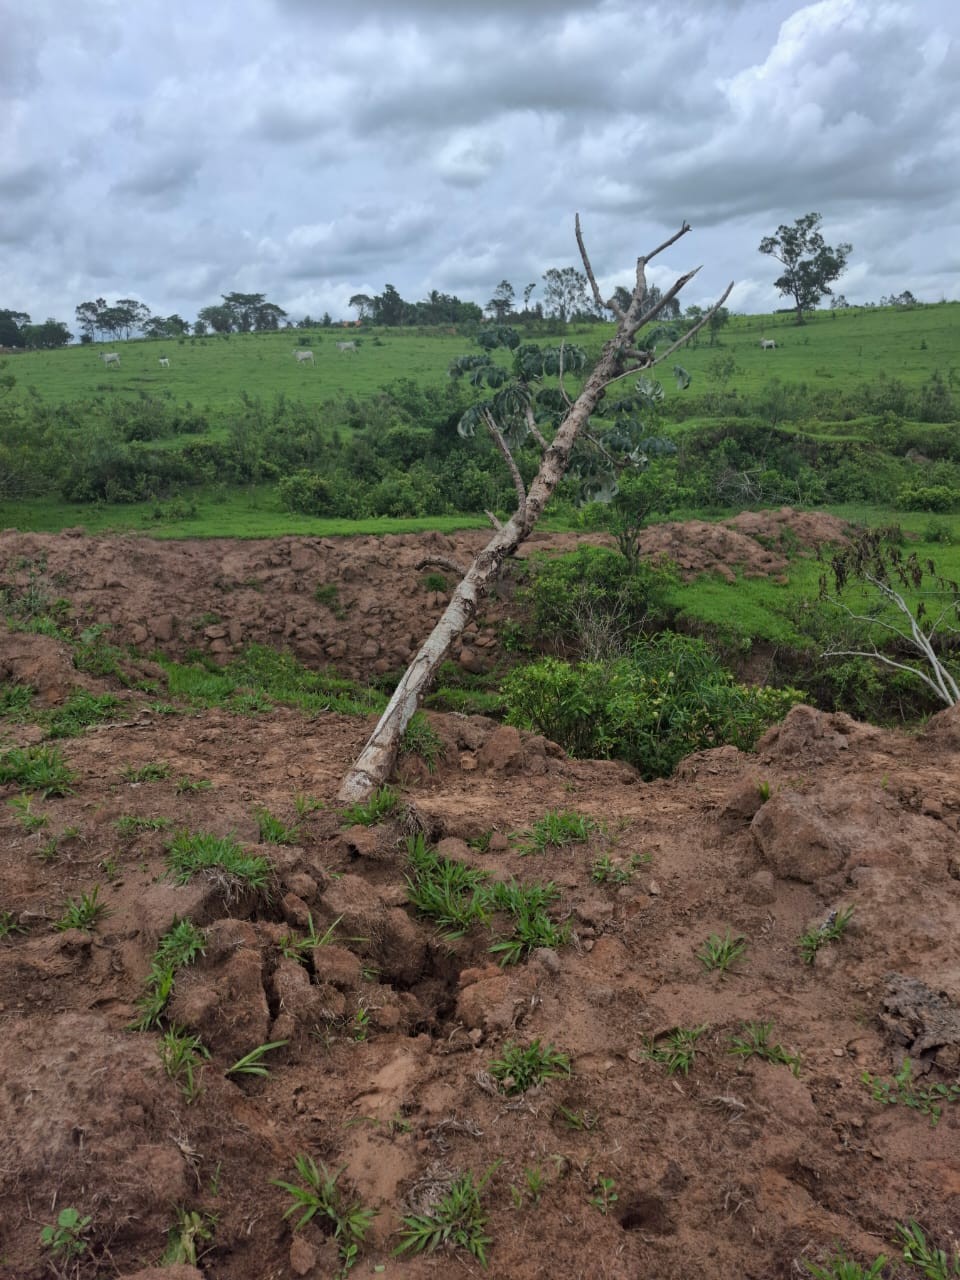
376	761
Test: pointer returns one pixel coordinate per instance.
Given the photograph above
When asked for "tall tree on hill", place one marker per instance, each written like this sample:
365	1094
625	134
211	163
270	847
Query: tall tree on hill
510	417
810	264
11	328
501	304
565	291
364	305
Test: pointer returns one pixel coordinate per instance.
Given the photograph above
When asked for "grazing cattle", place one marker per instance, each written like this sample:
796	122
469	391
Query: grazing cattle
346	346
110	357
164	362
302	357
767	344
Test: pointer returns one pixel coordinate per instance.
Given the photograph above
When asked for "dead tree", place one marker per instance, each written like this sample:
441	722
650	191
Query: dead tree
618	359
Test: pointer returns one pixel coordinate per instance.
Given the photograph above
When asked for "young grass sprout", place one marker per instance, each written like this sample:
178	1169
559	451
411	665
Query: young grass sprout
520	1069
555	829
832	929
754	1042
83	912
317	1195
380	805
250	1064
456	1220
677	1049
720	953
928	1100
182	1056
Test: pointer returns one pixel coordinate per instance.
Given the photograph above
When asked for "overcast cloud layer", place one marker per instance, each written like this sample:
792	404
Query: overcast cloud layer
308	150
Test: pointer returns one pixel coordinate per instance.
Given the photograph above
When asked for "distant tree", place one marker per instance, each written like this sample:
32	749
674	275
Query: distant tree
527	292
166	327
502	302
52	333
218	318
90	317
565	291
718	319
11	326
326	320
388	307
810	264
692	317
132	315
364	305
200	328
839	303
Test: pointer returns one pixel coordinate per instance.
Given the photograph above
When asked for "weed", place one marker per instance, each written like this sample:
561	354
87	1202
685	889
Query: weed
677	1052
536	1181
40	769
606	871
181	1055
328	594
190	786
604	1195
928	1101
520	1069
250	1064
191	1227
22	805
129	825
9	925
833	928
294	948
580	1121
380	805
189	853
457	1219
361	1024
177	948
305	805
754	1042
720	953
555	828
67	1239
82	912
763	790
48	850
80	710
15	701
318	1194
111	869
532	927
933	1262
453	894
840	1267
420	739
434	582
273	831
156	771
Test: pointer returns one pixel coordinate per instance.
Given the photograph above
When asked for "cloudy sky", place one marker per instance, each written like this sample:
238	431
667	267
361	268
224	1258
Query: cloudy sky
314	149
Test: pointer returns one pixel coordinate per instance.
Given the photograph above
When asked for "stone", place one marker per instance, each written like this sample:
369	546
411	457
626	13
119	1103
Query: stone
796	839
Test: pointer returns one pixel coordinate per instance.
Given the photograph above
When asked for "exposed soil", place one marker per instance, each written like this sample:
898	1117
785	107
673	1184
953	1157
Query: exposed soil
735	1170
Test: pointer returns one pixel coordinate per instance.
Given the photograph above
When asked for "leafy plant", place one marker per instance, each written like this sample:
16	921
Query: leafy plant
833	928
305	805
580	1121
177	948
294	948
901	1089
677	1051
421	739
556	828
80	710
604	1194
451	893
191	1228
606	870
9	924
840	1267
434	582
82	912
190	786
67	1240
273	831
720	953
155	771
457	1220
520	1069
317	1193
380	805
190	853
754	1042
250	1064
129	825
22	805
182	1055
933	1262
41	769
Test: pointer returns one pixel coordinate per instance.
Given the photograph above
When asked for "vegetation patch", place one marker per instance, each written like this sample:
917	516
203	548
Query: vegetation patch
191	853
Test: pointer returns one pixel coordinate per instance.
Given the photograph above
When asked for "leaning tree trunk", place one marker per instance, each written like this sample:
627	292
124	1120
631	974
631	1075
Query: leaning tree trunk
377	759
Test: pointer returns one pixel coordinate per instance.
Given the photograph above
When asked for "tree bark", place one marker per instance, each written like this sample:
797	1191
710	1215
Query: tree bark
376	761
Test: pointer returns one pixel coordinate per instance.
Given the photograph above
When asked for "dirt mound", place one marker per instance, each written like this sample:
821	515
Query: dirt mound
732	1154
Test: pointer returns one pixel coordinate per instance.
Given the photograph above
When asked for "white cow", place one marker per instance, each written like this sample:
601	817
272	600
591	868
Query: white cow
164	362
767	344
302	357
346	346
110	357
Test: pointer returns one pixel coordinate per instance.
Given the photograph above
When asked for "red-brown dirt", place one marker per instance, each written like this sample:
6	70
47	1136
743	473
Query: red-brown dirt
738	1169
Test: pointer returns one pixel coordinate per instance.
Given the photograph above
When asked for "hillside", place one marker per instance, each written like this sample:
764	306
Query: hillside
729	1121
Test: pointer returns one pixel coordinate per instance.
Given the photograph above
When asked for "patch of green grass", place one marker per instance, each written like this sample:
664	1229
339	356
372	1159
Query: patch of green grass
9	925
155	771
83	912
533	928
15	700
833	928
933	1262
22	805
381	804
840	1267
296	948
273	831
929	1101
719	954
191	1229
556	829
607	870
754	1042
457	1219
676	1050
191	853
41	769
192	786
81	710
182	1056
129	825
317	1196
420	739
250	1064
305	805
519	1069
180	946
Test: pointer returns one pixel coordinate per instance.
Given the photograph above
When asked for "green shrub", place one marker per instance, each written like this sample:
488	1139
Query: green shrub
670	698
932	497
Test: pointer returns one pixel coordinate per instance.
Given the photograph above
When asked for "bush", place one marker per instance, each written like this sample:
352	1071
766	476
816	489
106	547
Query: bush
671	697
933	497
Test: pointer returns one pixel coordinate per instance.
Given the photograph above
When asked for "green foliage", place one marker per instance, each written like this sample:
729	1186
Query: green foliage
67	1240
155	771
15	700
82	912
555	829
670	698
40	769
381	804
754	1042
130	825
182	1056
250	1064
676	1050
933	1262
9	925
434	582
833	928
720	953
317	1195
605	1194
296	948
519	1069
22	805
902	1089
931	497
190	853
840	1267
273	831
180	946
607	870
80	710
191	1228
191	786
457	1219
421	739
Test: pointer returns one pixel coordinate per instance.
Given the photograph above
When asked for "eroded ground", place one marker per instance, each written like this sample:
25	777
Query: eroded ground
739	1168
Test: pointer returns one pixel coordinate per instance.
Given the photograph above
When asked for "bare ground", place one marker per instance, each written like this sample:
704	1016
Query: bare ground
737	1169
